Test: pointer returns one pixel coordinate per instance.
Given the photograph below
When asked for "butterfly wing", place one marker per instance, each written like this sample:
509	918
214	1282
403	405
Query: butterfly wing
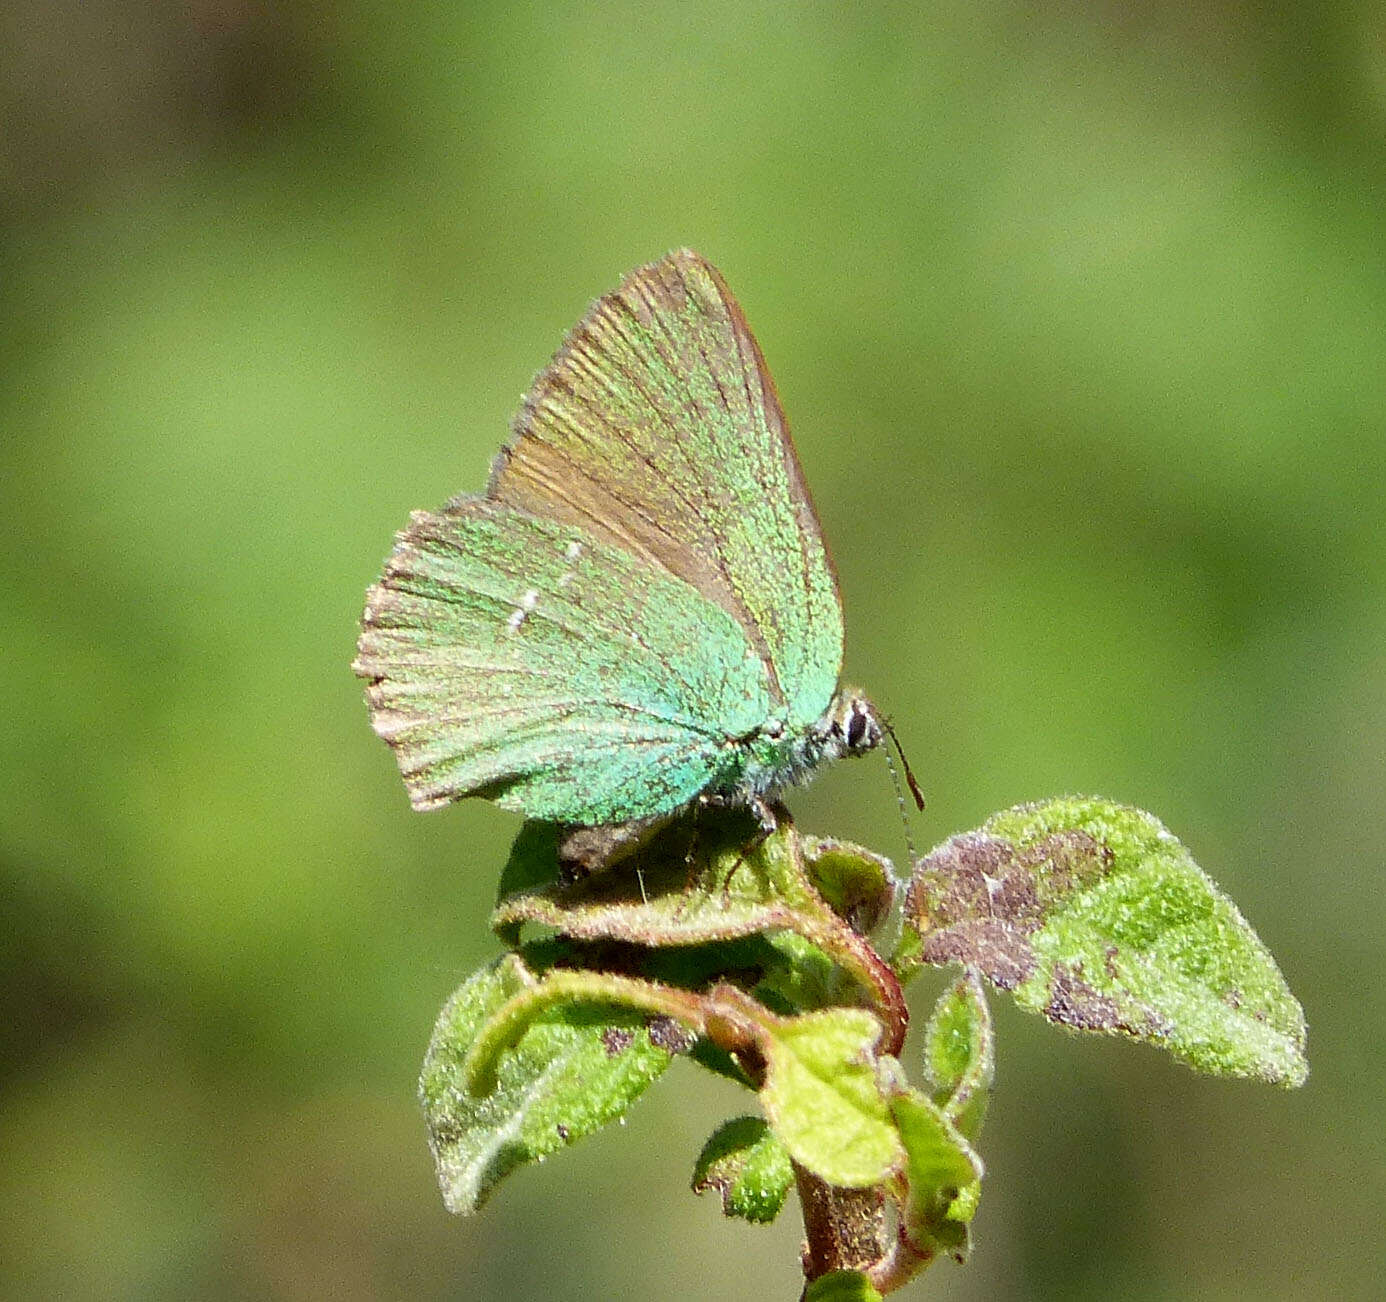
522	659
657	429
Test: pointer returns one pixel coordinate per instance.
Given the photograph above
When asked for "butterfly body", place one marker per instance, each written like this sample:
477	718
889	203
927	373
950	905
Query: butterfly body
640	611
774	758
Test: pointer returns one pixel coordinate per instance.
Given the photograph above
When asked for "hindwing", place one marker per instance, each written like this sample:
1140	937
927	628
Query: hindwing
524	659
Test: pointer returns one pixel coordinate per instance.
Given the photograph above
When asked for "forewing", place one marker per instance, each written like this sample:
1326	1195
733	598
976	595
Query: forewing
525	660
656	428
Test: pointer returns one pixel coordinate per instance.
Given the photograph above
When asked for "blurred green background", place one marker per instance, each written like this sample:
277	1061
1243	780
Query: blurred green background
1079	315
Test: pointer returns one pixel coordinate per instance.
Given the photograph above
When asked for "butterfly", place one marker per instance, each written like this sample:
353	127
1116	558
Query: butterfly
640	612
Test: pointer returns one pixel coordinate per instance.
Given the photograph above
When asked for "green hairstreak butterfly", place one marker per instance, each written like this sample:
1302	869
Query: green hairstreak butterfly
640	610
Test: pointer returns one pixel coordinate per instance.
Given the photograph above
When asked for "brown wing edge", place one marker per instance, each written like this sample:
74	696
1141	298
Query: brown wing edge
808	513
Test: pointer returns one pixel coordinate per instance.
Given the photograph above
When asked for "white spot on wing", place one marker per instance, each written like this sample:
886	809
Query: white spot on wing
521	612
572	552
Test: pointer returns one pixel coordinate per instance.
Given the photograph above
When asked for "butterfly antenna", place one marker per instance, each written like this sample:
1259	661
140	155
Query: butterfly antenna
909	775
900	801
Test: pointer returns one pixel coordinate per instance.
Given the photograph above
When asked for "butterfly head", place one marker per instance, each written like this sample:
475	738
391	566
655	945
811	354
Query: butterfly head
853	726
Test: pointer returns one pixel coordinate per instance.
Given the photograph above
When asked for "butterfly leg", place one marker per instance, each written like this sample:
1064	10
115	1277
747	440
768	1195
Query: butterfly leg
767	818
690	859
769	821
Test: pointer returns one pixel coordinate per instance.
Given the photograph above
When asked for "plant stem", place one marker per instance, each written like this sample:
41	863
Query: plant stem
819	924
901	1265
844	1228
855	954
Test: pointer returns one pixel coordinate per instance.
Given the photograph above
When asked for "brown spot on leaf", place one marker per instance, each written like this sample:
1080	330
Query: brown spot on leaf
980	876
1002	953
446	1132
616	1040
669	1035
715	1180
976	900
1065	862
1073	1002
942	888
973	877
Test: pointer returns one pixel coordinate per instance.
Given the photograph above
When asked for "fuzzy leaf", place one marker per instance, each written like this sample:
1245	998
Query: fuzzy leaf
942	1177
1093	915
531	866
707	883
703	878
575	1068
960	1054
841	1286
748	1167
823	1097
859	886
797	977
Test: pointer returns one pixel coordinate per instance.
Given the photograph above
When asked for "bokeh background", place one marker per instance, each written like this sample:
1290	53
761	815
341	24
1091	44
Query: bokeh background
1079	314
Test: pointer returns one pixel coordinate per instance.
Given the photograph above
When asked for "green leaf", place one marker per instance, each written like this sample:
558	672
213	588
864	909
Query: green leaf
748	1167
710	880
703	878
784	971
942	1177
858	885
575	1068
676	1016
823	1095
797	977
841	1286
960	1054
531	866
1093	915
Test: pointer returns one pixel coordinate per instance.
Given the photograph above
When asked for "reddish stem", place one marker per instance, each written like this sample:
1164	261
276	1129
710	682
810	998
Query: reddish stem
844	1228
855	953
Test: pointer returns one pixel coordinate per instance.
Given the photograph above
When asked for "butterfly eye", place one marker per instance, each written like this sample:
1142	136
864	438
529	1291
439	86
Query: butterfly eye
856	729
